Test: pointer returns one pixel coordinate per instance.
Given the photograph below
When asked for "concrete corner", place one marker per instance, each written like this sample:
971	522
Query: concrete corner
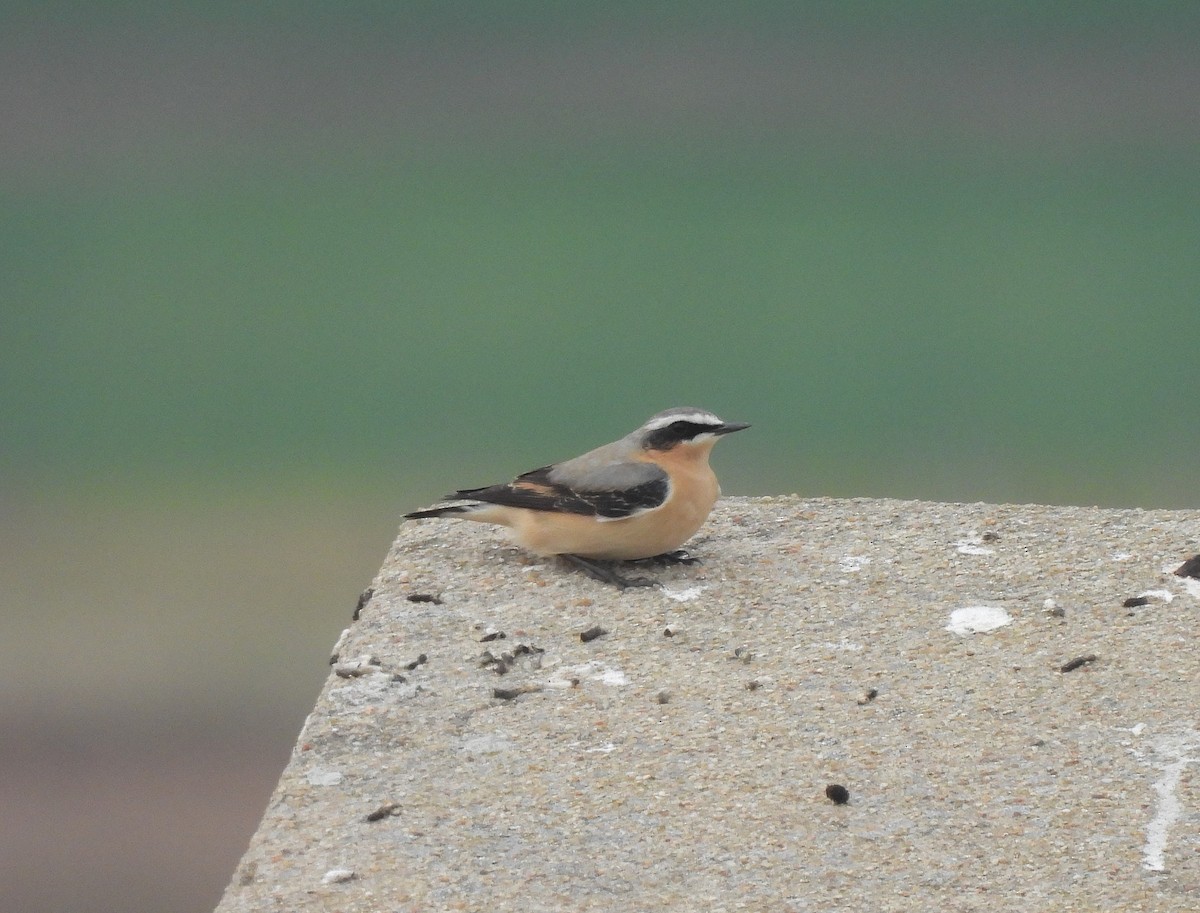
1007	697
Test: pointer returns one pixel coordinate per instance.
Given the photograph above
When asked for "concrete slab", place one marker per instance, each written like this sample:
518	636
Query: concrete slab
471	752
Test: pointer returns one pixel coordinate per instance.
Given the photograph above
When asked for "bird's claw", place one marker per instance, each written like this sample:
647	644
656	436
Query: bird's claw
606	574
679	556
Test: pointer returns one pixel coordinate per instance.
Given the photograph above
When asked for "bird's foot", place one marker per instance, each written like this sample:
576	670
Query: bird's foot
679	556
606	574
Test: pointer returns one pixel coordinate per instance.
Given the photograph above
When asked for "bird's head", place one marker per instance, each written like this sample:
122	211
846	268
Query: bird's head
684	426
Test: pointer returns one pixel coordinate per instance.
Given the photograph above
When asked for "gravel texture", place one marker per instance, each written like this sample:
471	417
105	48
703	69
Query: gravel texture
471	752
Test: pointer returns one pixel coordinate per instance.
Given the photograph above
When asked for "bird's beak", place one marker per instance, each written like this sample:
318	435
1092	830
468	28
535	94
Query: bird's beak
730	427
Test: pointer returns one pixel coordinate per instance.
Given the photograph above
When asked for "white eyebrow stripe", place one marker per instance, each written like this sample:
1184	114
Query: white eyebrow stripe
696	418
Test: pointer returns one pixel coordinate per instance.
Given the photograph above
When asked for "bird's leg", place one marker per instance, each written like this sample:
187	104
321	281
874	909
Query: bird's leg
679	556
606	574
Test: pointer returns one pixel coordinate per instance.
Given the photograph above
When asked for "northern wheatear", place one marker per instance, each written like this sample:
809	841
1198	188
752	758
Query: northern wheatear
640	497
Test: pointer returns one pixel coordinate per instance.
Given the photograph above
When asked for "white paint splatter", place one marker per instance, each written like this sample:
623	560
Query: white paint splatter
973	546
337	876
852	563
977	619
614	677
1122	556
1164	595
1173	756
692	592
320	776
1190	584
593	671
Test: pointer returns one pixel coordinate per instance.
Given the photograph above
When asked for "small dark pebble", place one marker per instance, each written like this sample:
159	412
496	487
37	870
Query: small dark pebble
1134	601
1189	568
837	794
753	685
1078	661
384	811
495	635
663	697
503	663
424	597
363	598
592	633
990	537
869	695
419	661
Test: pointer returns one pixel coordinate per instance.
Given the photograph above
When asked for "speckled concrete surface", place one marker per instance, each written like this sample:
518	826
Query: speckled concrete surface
680	760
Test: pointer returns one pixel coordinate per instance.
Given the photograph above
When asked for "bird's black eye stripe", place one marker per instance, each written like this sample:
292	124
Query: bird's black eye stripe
675	433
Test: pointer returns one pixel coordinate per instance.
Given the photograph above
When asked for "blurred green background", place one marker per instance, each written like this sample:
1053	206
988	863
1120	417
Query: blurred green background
273	276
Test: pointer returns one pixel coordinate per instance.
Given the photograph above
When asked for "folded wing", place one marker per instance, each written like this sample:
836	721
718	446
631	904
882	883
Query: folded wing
611	492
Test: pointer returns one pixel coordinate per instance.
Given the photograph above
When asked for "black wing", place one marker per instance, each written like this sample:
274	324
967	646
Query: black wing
620	491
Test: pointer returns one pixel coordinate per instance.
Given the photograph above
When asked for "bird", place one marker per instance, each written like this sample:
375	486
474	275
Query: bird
639	497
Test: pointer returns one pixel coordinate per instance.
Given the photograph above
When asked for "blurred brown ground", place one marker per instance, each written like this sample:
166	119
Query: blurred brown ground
121	819
159	656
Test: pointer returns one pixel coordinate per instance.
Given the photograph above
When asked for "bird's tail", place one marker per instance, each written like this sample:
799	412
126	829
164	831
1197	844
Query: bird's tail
440	512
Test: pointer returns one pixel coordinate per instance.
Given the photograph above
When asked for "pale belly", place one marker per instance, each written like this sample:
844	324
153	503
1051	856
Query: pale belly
641	536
